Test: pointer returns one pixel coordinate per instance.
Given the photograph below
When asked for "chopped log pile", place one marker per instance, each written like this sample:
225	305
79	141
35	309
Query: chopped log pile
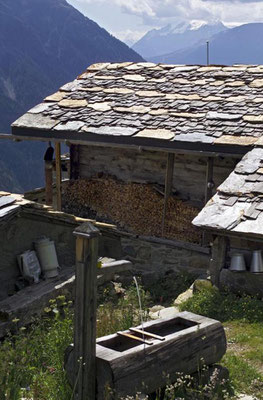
136	208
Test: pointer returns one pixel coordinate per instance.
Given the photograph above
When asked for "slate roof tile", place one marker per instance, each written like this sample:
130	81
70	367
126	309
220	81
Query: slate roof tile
227	102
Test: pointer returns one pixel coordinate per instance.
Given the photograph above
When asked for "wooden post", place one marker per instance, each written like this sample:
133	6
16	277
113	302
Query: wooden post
218	260
85	311
206	237
209	179
49	182
58	176
74	161
168	185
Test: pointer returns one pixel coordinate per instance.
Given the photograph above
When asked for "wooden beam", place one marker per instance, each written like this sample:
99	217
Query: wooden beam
209	179
218	260
132	142
85	311
58	176
74	161
168	185
48	183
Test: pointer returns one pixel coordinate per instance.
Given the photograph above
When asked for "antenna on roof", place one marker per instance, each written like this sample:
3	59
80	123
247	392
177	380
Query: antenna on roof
207	52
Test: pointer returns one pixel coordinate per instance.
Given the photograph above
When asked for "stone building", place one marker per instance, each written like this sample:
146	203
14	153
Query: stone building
180	129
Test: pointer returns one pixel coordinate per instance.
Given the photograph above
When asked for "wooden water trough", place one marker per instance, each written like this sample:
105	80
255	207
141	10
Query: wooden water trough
135	361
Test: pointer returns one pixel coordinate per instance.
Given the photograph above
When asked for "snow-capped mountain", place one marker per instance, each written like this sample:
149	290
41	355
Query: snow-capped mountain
239	45
175	37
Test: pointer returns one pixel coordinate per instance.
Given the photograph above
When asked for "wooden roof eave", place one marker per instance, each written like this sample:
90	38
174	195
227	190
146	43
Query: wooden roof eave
128	142
255	237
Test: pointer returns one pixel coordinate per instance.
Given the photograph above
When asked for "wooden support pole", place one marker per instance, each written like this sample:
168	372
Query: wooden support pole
58	176
74	161
209	186
209	179
49	183
168	185
85	311
218	260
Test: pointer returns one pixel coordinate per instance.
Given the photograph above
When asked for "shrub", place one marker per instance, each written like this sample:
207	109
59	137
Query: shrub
225	306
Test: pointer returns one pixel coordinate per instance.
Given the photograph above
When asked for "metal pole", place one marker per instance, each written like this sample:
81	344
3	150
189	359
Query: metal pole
207	53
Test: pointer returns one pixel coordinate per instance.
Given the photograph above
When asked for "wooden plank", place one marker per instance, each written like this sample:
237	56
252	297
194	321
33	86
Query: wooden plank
168	185
58	176
218	259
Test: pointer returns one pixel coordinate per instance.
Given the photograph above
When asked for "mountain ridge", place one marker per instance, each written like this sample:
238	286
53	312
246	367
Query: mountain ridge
175	37
241	44
44	44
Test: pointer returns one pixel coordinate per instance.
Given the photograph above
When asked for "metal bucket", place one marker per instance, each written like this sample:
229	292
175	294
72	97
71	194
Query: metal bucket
238	263
256	265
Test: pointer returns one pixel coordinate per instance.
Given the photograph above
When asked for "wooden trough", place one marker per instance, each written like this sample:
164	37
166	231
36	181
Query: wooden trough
129	365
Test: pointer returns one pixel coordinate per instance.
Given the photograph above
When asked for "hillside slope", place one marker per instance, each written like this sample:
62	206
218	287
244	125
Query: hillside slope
44	44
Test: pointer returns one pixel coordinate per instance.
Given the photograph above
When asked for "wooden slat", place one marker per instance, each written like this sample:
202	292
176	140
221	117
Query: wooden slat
58	175
149	334
138	339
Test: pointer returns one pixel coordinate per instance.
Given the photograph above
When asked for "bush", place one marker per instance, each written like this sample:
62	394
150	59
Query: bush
224	306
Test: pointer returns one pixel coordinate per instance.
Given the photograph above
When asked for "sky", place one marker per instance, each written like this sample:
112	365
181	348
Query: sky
131	19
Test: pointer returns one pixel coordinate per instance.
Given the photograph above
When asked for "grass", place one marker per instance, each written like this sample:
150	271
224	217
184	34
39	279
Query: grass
242	317
31	364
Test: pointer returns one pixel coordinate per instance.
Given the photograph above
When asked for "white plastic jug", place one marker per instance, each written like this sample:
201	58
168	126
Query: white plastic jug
47	256
29	266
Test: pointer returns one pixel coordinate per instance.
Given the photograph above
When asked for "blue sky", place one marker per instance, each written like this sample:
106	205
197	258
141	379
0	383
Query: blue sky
132	18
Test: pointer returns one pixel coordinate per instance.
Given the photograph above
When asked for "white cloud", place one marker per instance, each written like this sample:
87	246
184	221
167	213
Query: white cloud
130	19
160	12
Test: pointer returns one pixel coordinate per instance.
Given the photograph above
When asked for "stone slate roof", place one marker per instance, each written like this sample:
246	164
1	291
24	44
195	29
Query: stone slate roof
10	204
131	102
238	205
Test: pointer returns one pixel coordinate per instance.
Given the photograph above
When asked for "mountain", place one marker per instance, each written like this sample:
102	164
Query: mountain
172	38
240	45
43	44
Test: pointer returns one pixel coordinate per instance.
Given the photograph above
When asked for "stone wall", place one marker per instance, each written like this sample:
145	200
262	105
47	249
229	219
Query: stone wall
132	165
18	236
153	258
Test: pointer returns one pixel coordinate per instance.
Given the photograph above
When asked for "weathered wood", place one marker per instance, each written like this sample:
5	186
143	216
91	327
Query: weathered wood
85	311
209	179
74	161
168	185
58	175
128	367
242	282
49	183
218	260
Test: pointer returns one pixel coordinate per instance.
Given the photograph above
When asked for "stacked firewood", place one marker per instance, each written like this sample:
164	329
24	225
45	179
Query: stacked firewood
137	208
